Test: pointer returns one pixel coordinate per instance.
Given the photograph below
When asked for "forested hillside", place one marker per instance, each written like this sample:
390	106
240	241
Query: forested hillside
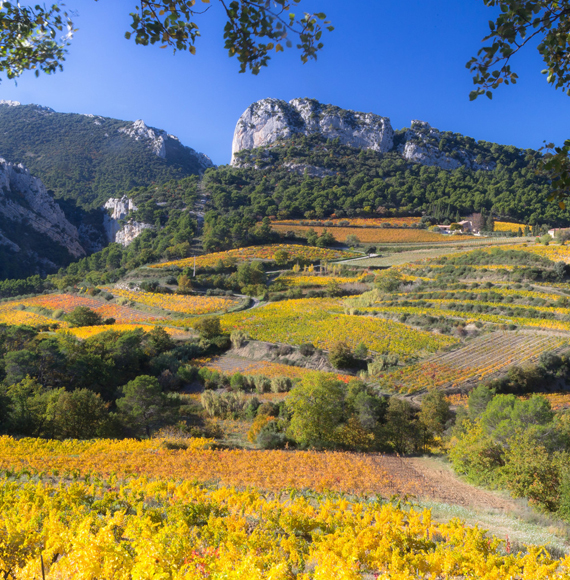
311	177
89	158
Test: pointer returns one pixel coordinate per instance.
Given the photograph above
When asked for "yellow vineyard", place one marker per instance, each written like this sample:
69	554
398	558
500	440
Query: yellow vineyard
179	303
309	253
123	525
322	322
376	235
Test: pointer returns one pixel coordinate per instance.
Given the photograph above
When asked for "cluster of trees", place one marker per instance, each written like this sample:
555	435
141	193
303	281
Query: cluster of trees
322	412
32	285
326	413
113	384
517	444
224	230
367	182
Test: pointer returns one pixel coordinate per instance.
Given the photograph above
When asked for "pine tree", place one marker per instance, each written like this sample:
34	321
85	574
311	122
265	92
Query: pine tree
483	219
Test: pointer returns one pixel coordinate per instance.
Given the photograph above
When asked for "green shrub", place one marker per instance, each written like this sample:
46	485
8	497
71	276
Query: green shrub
208	327
223	405
238	338
341	356
262	384
281	384
237	382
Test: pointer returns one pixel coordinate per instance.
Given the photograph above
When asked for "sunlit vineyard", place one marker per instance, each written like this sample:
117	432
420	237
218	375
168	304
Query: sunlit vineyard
11	313
308	253
194	305
317	280
183	531
13	316
508	227
359	222
321	322
374	235
84	332
230	365
272	470
481	359
105	518
65	302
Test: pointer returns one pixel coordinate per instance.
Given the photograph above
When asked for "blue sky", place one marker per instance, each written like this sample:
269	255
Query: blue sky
402	60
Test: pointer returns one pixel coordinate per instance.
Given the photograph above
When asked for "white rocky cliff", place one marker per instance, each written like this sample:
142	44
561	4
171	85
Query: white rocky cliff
116	228
24	200
268	120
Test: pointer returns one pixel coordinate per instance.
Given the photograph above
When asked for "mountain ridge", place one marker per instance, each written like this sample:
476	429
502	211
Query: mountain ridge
269	121
90	158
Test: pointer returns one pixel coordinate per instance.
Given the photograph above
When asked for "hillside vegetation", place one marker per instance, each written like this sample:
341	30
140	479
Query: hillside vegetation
310	177
86	158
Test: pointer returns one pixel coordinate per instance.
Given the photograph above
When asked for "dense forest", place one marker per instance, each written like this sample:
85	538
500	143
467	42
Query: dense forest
310	177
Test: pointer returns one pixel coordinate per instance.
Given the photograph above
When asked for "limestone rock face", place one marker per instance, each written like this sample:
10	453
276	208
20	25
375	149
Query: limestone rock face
120	209
158	140
24	200
423	146
130	231
268	120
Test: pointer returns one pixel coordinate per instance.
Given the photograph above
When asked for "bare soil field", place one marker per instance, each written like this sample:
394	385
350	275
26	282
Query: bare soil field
437	482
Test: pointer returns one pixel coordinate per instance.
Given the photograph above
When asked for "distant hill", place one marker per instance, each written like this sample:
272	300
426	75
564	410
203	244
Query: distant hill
89	158
303	159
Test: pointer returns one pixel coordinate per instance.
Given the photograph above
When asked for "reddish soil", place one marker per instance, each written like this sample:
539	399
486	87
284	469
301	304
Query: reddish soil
437	482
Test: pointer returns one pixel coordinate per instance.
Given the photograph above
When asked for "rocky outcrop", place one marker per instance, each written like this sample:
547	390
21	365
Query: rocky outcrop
130	231
38	108
269	120
119	210
426	145
157	141
311	170
24	200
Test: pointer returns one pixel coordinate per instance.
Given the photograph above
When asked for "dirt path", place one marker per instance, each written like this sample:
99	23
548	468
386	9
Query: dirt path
437	482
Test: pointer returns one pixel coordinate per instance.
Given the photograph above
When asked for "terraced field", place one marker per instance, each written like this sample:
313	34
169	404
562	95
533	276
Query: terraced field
263	253
321	322
231	364
373	235
486	357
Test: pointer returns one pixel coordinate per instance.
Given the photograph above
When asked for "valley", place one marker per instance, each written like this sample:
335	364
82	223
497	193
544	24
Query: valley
307	362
